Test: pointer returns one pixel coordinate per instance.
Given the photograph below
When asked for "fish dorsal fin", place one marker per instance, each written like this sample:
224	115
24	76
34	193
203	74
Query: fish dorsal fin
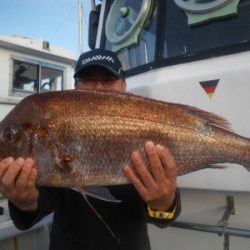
209	117
199	113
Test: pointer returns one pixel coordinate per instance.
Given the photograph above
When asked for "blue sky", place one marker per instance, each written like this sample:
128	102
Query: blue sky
55	21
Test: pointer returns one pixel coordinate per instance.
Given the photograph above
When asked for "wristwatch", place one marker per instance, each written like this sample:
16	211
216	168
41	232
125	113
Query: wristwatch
164	215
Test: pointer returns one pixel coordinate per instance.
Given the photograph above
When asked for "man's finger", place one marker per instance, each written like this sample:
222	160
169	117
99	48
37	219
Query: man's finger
4	164
135	180
8	180
155	162
22	179
32	178
141	170
168	162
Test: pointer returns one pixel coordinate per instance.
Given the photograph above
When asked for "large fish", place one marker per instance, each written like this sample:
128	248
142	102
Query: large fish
85	138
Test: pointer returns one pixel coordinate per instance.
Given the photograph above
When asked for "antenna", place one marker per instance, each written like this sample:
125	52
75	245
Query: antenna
80	11
93	5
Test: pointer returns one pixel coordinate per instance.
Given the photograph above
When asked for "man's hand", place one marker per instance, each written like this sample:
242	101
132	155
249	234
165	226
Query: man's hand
157	188
17	183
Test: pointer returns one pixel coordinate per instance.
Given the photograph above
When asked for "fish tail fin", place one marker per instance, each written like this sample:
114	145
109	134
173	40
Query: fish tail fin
96	212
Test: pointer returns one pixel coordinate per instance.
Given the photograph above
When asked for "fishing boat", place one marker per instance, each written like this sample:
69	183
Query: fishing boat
195	53
190	52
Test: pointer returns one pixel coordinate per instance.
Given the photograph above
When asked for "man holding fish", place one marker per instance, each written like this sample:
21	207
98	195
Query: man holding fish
97	222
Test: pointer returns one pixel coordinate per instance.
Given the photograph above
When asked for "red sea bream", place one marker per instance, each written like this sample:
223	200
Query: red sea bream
85	138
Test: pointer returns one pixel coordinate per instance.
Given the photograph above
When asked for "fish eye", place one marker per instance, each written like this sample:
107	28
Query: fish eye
11	134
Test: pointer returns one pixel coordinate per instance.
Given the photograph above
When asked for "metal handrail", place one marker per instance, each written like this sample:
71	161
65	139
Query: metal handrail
230	231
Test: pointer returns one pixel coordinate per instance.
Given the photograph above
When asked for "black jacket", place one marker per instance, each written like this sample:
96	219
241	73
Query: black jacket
76	227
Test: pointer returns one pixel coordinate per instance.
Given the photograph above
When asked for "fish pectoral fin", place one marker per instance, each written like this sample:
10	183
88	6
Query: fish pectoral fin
100	193
96	212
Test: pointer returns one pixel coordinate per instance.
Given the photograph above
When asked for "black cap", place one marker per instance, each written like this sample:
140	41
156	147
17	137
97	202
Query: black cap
99	57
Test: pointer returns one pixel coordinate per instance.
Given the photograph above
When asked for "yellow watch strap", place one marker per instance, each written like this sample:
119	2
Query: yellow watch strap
162	214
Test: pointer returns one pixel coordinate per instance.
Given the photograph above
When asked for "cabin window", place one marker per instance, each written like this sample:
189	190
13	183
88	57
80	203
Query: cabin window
188	35
25	77
29	78
51	79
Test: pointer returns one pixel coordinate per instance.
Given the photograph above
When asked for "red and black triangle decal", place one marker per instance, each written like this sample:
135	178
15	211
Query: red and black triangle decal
209	86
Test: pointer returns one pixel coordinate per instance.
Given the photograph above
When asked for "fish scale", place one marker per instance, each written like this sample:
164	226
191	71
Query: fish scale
86	137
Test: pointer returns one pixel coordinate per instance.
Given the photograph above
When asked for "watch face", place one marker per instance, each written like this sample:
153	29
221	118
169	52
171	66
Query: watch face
124	18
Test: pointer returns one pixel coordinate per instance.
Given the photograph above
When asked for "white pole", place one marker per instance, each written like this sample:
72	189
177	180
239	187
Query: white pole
93	6
80	11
